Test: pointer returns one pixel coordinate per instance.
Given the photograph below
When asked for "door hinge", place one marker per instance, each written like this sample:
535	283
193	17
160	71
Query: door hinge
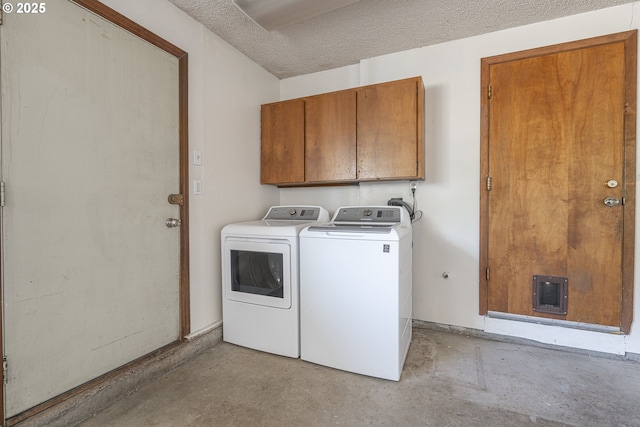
1	11
488	183
490	92
1	194
5	368
487	274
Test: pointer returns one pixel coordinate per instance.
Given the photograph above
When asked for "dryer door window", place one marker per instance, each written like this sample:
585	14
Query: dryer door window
257	272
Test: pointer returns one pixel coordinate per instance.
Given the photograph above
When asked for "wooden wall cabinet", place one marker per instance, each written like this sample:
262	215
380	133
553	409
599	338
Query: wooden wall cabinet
282	148
391	130
368	133
330	137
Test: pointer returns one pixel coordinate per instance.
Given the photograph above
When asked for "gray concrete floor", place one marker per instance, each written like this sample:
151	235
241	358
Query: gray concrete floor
448	380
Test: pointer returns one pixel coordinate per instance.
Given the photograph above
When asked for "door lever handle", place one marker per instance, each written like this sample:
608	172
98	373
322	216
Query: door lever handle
611	201
173	222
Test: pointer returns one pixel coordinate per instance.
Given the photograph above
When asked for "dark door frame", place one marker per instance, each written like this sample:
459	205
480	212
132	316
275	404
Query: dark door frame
629	38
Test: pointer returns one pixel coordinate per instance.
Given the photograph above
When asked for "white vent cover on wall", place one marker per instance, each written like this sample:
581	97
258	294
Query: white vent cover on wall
274	14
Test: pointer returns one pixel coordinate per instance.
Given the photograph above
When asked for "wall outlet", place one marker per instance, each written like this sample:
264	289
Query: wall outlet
197	186
413	185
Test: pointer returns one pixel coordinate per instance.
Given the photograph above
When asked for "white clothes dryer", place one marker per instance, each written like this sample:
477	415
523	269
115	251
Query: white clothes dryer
355	293
260	279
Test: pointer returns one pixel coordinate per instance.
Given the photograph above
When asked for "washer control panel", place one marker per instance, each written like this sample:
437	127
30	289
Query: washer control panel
366	214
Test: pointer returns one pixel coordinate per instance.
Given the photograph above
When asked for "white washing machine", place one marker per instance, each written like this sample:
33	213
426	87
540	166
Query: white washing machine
355	293
260	279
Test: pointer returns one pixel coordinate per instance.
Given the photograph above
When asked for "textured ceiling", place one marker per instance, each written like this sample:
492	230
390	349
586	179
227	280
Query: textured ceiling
370	28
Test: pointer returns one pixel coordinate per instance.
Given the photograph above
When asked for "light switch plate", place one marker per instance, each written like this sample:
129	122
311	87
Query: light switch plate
197	157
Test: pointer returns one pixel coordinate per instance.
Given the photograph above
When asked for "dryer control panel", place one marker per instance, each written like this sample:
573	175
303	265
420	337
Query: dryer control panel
294	213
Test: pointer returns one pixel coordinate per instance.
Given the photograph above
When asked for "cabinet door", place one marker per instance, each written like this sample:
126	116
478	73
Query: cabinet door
282	152
330	122
390	130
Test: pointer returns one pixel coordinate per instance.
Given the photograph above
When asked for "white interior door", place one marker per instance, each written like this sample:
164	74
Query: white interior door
90	152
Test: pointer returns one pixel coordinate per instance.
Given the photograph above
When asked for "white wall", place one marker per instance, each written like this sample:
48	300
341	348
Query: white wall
225	93
447	238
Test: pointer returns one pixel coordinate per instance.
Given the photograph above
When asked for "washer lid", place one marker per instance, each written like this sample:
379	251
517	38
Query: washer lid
364	221
354	228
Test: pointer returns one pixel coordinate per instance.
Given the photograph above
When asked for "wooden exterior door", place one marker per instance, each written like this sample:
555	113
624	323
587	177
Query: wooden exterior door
558	177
